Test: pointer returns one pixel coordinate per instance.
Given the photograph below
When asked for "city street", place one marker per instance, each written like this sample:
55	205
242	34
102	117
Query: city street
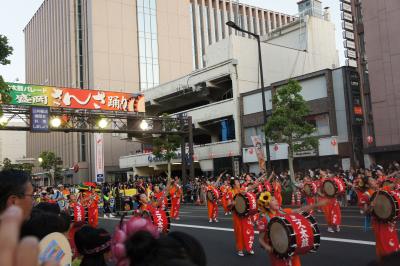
351	246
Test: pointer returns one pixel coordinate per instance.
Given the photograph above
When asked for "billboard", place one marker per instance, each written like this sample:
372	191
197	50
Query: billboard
59	97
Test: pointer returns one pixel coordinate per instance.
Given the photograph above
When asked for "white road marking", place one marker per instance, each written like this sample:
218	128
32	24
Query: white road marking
343	240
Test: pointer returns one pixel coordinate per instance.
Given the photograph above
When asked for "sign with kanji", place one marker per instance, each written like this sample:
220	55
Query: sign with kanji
39	119
37	95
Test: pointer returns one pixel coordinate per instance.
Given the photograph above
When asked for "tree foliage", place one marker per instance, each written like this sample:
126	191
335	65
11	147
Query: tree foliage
5	51
8	165
50	162
287	123
165	146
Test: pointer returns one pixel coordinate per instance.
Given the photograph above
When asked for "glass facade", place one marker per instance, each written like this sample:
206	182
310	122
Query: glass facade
148	44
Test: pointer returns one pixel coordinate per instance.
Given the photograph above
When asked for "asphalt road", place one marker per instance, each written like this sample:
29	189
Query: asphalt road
351	246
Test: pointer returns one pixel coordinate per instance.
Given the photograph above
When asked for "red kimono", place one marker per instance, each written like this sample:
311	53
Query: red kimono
278	192
212	207
243	229
162	201
91	200
175	193
226	196
386	237
332	212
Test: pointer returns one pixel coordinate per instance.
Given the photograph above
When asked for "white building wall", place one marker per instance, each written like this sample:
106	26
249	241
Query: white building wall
12	144
279	63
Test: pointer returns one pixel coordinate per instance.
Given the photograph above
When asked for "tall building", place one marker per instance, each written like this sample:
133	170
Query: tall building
377	41
225	102
125	45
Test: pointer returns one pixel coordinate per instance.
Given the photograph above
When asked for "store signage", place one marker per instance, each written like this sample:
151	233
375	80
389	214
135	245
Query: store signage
345	7
348	33
347	26
351	63
58	97
350	54
349	44
347	17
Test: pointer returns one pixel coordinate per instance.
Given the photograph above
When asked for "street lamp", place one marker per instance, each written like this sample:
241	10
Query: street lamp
40	160
144	125
236	27
3	120
102	123
55	122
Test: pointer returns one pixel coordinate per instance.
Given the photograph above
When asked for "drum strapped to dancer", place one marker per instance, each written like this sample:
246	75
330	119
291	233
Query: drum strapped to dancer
213	194
310	189
333	187
245	204
293	233
387	205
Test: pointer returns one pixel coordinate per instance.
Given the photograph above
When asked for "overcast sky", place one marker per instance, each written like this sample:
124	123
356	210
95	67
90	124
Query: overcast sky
17	13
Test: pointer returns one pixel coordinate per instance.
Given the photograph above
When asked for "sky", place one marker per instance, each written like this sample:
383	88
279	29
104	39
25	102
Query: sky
15	14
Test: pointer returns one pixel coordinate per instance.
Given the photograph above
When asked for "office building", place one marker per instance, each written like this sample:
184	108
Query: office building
128	46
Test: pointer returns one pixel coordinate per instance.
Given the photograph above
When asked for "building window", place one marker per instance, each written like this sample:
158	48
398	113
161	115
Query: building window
194	45
82	148
253	131
148	44
321	124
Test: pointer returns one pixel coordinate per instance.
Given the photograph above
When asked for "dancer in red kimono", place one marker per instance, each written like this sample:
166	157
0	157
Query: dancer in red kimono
386	236
242	226
212	204
159	198
277	190
90	199
332	211
175	192
310	198
269	207
226	196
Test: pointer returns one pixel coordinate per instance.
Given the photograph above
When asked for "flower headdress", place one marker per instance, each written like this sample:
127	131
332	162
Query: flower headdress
126	230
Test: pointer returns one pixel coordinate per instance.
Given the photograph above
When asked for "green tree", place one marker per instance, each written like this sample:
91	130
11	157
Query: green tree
5	51
287	123
7	165
165	146
50	162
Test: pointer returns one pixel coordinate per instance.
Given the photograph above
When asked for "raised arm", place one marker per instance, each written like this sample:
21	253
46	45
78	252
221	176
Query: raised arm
220	176
311	207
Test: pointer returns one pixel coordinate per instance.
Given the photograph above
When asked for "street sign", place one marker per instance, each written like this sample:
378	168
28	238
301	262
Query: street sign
39	119
100	178
346	1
